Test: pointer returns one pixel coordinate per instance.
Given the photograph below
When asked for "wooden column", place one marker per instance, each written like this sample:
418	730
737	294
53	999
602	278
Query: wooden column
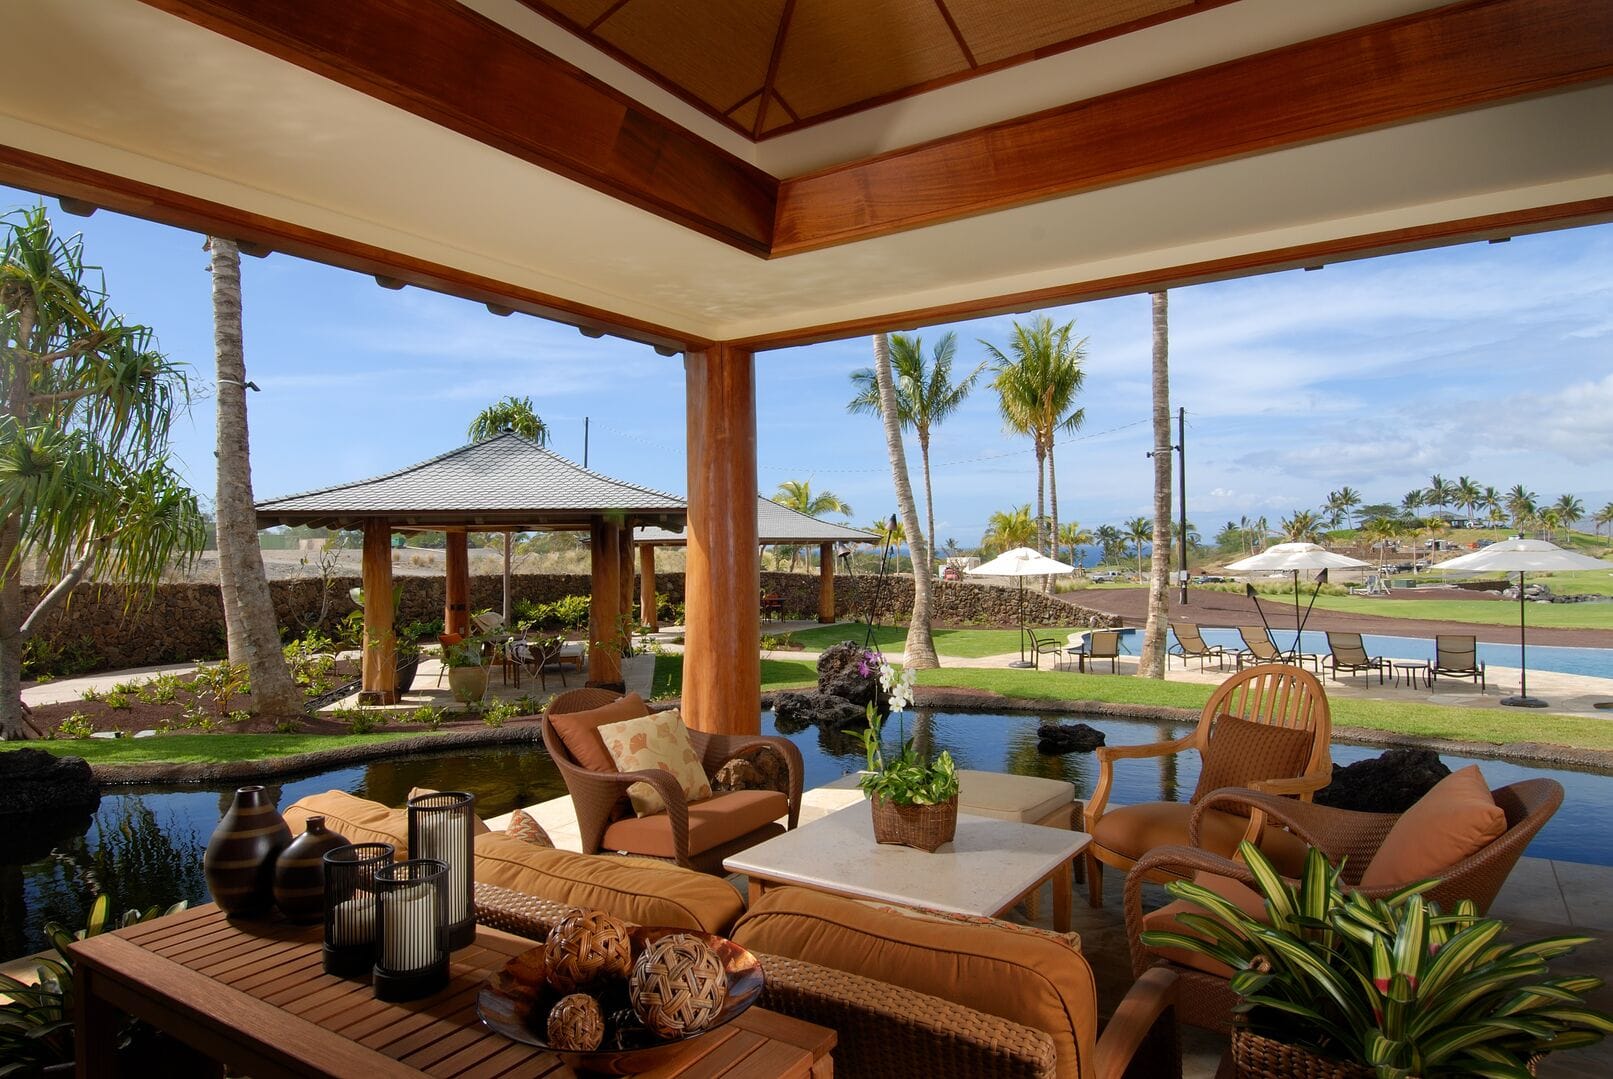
605	558
722	673
380	663
826	583
626	570
648	613
456	589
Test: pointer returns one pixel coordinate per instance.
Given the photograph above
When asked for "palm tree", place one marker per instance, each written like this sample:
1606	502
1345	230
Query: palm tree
1549	518
509	414
1111	543
1604	519
1007	529
1035	391
251	630
1151	661
1415	500
1381	531
87	404
889	534
1303	527
925	395
920	652
1139	530
1072	536
1571	509
1520	503
1468	495
1440	491
1490	502
1231	537
798	496
1350	500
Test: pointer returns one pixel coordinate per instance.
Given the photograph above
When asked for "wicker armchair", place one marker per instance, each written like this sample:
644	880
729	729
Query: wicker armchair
1343	836
600	798
1276	695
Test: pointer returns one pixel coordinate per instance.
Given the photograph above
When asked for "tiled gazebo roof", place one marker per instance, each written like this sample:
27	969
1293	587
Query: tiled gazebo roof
774	524
505	482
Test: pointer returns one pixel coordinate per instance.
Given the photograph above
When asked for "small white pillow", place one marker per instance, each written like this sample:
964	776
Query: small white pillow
656	741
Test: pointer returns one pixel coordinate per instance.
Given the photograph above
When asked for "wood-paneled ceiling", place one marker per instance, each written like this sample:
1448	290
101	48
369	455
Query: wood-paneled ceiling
765	67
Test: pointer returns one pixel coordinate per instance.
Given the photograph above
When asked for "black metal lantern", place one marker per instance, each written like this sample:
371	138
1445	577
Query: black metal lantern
350	914
411	960
440	826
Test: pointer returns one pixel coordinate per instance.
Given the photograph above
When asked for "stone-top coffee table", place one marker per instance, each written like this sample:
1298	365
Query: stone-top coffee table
987	868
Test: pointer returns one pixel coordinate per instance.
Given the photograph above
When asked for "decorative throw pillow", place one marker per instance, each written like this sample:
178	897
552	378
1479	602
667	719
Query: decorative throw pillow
477	825
580	730
1242	752
656	741
1455	820
528	830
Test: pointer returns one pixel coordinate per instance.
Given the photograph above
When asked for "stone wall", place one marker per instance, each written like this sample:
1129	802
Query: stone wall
105	628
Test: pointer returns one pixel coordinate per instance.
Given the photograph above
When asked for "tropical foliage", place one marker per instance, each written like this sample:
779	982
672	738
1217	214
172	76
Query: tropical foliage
906	778
509	414
799	496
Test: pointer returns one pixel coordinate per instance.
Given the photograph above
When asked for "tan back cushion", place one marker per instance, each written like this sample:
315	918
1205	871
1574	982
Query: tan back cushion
658	741
1242	751
580	730
1030	977
641	892
1455	820
357	820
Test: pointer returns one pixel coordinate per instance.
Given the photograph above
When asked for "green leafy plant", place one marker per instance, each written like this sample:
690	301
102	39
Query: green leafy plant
77	725
117	698
288	725
91	695
161	689
360	720
427	715
499	713
1393	984
465	653
223	681
36	1025
905	779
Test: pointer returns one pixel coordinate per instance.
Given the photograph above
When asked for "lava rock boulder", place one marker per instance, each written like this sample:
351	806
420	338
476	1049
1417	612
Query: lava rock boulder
1389	783
1055	738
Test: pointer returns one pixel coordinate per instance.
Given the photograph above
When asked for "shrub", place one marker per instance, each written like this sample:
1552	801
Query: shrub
360	720
162	689
427	715
91	695
44	658
117	698
498	713
288	726
77	725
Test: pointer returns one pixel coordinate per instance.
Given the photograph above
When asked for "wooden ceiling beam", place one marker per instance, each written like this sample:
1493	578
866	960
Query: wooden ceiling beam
1428	64
444	62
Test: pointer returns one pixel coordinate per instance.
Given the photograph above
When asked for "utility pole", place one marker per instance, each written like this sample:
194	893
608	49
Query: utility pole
585	441
1181	480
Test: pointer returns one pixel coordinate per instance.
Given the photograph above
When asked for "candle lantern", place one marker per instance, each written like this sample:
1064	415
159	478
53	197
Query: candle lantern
412	960
440	828
350	937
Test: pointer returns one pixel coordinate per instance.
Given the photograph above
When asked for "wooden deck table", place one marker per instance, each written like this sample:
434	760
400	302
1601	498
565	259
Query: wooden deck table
254	994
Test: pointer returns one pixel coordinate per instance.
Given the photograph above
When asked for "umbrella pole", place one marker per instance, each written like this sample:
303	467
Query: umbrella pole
1022	661
1523	700
1298	625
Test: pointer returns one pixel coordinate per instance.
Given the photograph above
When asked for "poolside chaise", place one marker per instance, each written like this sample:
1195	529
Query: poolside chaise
1346	652
1456	656
1258	647
1190	645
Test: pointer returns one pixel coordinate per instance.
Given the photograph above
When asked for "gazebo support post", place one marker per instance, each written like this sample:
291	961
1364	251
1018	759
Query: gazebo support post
826	583
456	588
380	663
722	675
605	561
648	613
625	579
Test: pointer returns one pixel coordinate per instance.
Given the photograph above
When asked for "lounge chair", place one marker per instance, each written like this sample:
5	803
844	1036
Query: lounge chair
1045	646
1372	586
1278	744
1102	644
1190	645
1258	647
1343	836
1347	653
1456	655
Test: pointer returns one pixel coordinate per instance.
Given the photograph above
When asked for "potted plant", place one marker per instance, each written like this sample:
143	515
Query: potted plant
467	669
914	802
1335	984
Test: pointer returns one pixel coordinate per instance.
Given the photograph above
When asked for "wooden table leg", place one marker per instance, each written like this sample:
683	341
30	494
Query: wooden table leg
96	1025
1063	896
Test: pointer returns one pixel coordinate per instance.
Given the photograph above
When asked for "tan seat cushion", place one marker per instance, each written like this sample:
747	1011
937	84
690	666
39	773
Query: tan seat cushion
580	730
658	741
1035	979
712	823
1135	830
1164	919
1027	799
647	893
1455	820
1241	752
358	820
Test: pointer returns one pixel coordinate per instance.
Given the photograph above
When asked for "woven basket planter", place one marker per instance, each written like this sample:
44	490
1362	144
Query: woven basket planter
1257	1057
924	827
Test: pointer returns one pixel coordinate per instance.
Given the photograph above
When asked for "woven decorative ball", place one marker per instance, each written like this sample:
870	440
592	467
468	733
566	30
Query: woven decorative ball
576	1024
678	986
585	947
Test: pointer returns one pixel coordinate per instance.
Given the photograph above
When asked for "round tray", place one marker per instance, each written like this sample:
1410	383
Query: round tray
516	1001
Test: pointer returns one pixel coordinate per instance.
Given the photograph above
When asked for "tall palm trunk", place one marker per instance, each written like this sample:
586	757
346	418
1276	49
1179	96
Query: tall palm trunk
929	498
1053	510
240	559
1041	500
1151	664
920	652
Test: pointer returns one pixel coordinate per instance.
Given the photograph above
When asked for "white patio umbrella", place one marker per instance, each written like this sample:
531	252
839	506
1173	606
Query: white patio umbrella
1021	562
1293	557
1518	556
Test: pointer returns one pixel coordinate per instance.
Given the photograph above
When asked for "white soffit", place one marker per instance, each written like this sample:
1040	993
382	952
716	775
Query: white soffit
173	105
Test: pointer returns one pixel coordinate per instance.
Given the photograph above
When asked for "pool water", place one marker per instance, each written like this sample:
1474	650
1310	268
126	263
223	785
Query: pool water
1592	662
144	844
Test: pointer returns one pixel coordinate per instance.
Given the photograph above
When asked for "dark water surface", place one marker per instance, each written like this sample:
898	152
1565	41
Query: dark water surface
144	844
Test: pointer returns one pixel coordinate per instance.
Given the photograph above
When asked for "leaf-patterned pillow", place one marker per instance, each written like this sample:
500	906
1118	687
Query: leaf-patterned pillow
522	826
656	741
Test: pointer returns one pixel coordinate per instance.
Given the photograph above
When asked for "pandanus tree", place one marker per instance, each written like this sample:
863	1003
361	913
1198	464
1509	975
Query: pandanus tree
86	489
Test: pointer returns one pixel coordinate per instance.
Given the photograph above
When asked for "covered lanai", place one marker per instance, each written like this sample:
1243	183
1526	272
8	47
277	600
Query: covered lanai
504	484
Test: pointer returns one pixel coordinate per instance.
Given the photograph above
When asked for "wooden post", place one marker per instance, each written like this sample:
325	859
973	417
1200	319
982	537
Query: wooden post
605	558
626	570
380	662
456	588
826	583
722	673
648	613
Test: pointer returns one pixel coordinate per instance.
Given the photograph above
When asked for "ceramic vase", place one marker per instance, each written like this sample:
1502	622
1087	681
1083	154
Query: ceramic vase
299	873
469	684
239	863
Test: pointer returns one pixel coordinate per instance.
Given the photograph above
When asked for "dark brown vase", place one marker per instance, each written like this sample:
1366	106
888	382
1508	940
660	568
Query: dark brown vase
299	873
239	863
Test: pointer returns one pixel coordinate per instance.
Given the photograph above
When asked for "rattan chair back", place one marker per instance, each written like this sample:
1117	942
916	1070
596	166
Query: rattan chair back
1278	694
580	700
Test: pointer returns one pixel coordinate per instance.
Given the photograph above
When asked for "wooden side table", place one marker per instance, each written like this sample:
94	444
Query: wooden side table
255	995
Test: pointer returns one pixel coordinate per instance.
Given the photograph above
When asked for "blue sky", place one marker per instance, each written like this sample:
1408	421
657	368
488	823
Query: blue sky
1488	360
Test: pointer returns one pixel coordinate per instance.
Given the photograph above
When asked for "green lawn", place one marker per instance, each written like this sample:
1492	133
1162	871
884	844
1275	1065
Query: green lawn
963	643
203	748
776	674
1482	612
